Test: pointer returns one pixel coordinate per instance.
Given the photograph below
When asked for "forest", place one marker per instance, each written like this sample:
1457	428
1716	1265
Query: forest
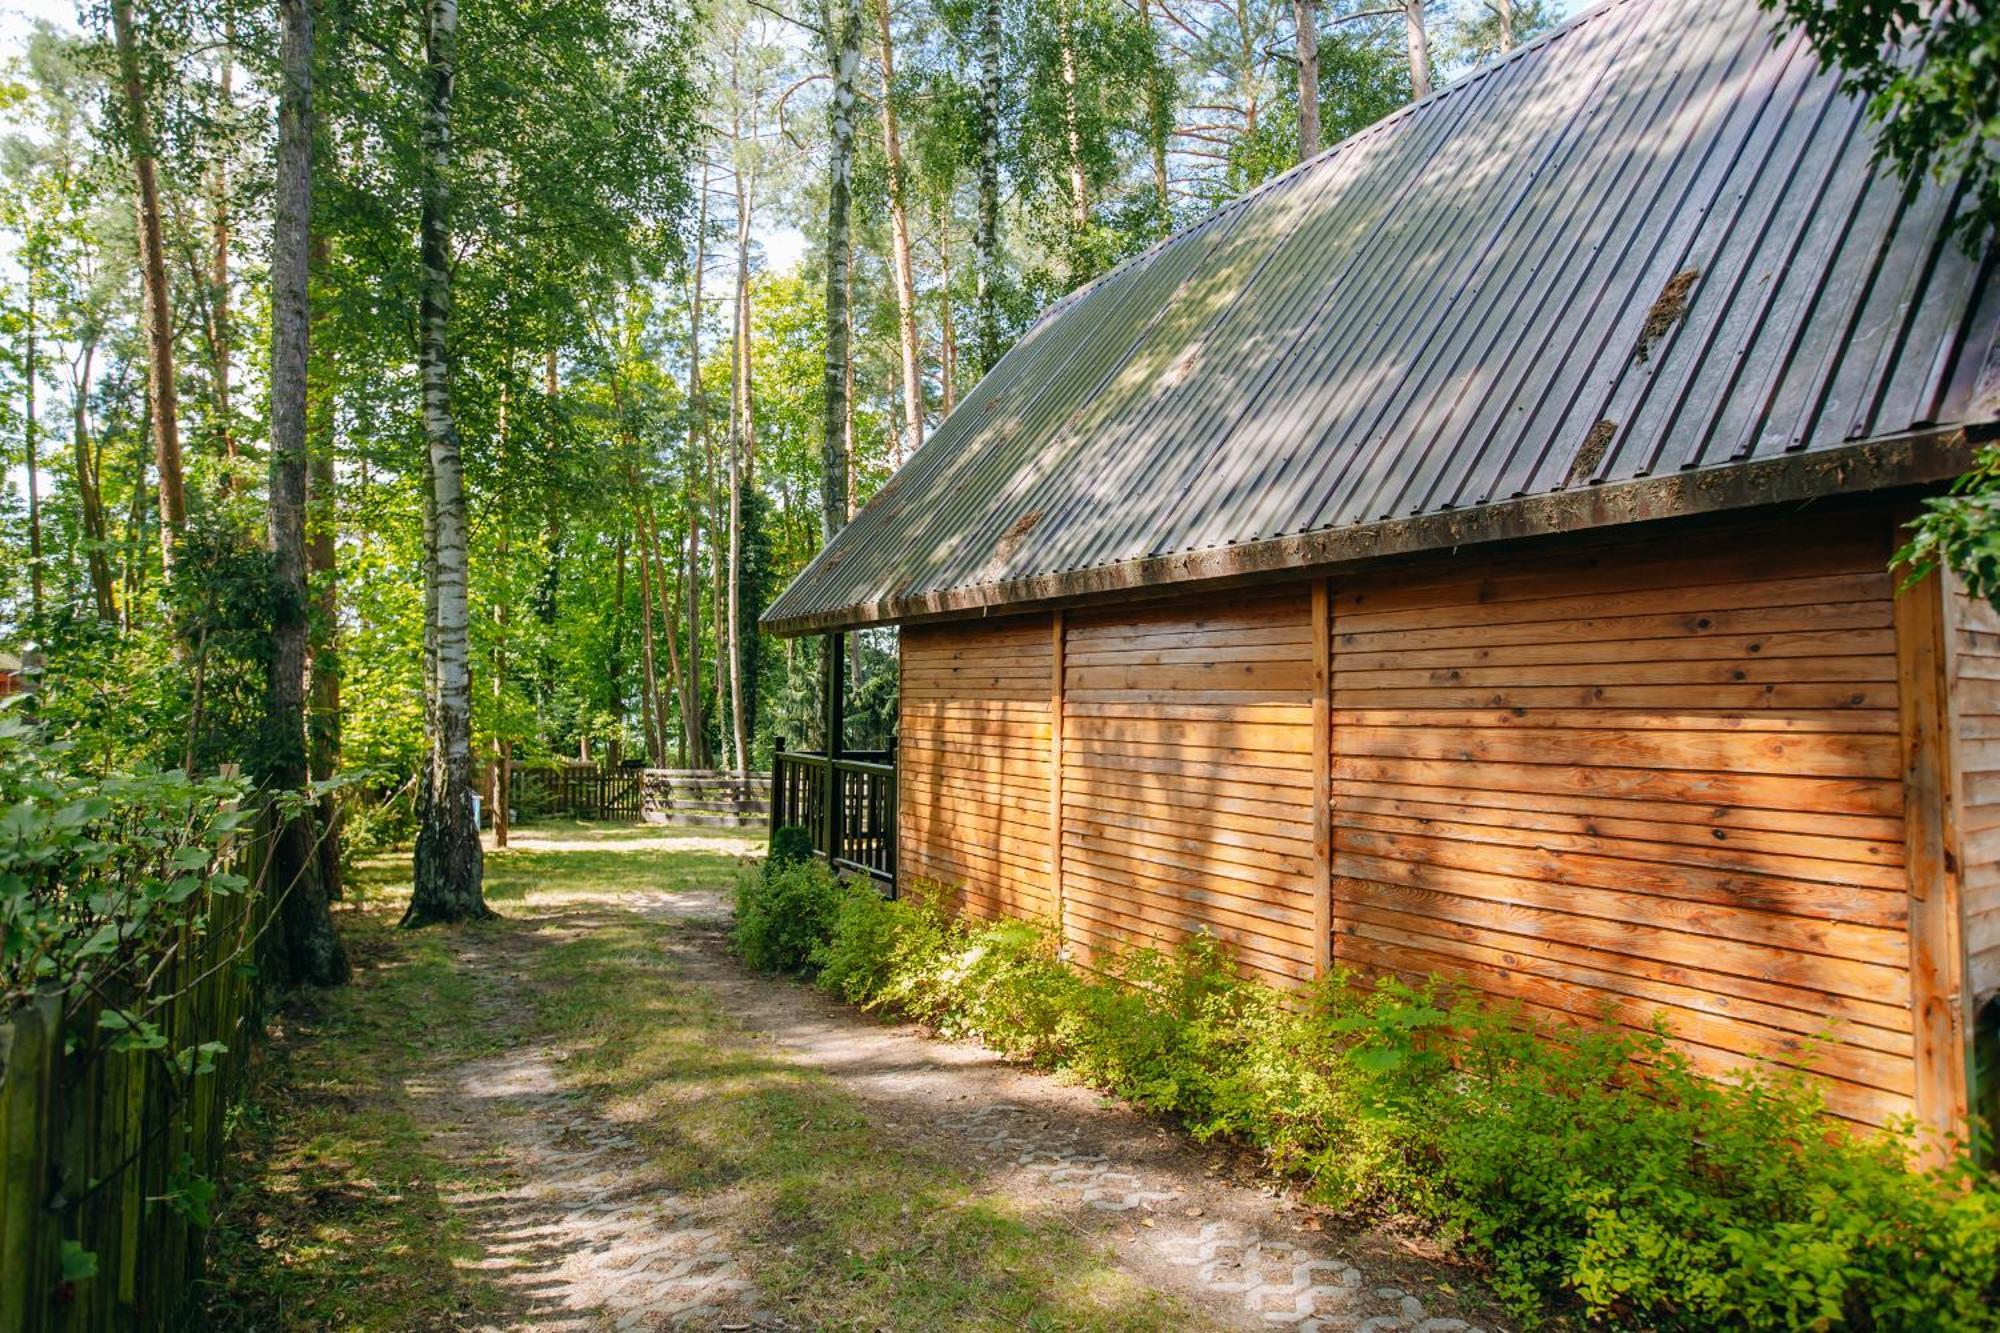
494	364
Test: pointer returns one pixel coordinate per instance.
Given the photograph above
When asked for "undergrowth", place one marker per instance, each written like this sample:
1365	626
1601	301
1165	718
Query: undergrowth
1598	1179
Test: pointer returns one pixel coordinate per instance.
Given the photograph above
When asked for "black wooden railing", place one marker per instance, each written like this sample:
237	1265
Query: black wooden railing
847	803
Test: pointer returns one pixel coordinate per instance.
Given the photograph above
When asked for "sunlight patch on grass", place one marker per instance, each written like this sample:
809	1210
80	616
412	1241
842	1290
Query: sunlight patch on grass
849	1228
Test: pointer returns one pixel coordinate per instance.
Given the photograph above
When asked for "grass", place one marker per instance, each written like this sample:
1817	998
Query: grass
851	1229
339	1216
335	1217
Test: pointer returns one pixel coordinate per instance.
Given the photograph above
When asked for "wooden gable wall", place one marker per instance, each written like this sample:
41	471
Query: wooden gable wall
1630	777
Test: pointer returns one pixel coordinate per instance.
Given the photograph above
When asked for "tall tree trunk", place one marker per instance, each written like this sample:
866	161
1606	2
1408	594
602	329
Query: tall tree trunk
220	333
911	437
1079	184
1305	24
694	737
29	366
308	950
742	452
1503	10
503	744
986	236
322	573
844	35
649	694
449	863
90	492
162	397
1420	49
947	328
1158	127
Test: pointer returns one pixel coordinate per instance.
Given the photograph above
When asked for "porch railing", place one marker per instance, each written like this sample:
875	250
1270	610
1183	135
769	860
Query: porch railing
846	803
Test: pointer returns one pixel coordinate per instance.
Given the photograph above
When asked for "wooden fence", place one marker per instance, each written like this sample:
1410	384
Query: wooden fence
847	803
682	798
108	1154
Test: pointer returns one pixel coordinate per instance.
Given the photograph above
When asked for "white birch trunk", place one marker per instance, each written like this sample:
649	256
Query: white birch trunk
1305	24
449	867
911	437
986	237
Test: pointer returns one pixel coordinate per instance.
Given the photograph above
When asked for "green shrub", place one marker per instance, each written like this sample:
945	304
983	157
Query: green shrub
1597	1177
789	843
784	912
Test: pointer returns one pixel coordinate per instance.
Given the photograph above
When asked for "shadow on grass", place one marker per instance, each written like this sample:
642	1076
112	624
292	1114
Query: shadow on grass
850	1228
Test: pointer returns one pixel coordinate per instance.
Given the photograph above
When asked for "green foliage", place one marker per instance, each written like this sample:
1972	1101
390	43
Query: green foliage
1931	74
1595	1175
784	911
98	874
789	844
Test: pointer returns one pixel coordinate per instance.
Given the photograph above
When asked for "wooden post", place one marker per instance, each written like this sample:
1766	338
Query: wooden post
1322	789
777	814
1939	998
836	736
1056	635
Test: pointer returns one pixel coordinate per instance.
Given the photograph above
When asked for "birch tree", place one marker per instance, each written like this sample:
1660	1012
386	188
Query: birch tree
986	238
449	864
911	437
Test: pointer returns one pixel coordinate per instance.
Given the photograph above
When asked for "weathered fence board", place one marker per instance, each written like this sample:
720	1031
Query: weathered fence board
105	1152
680	798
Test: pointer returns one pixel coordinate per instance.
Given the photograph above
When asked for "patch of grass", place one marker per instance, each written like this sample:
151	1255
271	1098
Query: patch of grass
850	1228
336	1216
340	1216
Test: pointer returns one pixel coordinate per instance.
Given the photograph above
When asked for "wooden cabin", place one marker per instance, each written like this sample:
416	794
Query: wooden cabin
1468	554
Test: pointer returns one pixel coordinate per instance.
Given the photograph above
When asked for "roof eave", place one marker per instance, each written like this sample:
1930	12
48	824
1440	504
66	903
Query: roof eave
1915	458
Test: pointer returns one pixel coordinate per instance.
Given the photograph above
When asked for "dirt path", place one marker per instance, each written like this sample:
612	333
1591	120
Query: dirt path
1165	1205
611	1125
582	1231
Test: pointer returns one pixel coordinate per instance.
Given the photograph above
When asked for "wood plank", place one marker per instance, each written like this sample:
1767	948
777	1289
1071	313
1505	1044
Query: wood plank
1814	590
1688	882
1291	840
1628	562
1291	738
1193	756
1846	756
1058	725
1736	671
1851	721
1880	946
1727	991
1829	644
1622	625
1736	1036
1939	996
1659	822
1771	695
1285	807
1201	775
1478	962
1194	863
1590	841
1275	679
1741	791
1503	912
1322	786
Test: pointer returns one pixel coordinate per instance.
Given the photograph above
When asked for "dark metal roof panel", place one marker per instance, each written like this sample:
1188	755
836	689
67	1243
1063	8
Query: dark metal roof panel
1650	243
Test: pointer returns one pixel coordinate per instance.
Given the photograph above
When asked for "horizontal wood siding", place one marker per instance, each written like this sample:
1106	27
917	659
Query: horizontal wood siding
1188	777
1638	778
1975	688
973	759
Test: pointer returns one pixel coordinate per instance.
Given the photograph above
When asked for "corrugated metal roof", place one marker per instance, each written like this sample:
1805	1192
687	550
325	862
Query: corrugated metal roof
1650	244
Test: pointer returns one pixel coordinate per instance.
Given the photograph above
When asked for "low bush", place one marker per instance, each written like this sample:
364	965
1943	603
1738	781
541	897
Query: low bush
1597	1178
784	911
